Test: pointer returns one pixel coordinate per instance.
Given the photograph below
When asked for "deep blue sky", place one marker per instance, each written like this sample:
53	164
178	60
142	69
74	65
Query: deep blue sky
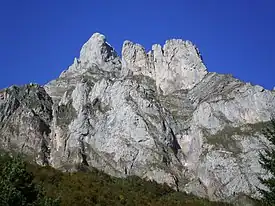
39	39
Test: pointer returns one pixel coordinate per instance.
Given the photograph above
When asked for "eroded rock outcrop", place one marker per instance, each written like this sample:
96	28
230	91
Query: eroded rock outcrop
25	118
159	115
178	65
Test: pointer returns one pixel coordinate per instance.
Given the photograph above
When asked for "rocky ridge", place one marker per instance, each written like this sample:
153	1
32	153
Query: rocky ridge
159	115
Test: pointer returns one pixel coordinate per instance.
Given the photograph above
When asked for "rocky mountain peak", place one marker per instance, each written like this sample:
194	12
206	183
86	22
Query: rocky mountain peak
135	58
175	66
158	114
96	50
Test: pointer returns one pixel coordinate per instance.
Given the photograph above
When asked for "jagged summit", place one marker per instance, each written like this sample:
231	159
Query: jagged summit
178	65
93	45
158	114
97	50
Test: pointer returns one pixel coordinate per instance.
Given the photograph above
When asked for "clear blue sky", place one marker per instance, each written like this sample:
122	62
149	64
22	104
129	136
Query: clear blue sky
39	39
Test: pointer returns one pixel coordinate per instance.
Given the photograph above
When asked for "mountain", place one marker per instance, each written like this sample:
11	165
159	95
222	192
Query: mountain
158	115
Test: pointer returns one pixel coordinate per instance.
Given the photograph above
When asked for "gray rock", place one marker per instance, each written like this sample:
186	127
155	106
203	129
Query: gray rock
178	65
159	115
25	118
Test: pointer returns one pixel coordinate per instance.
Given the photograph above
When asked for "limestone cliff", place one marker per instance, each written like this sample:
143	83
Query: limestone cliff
159	115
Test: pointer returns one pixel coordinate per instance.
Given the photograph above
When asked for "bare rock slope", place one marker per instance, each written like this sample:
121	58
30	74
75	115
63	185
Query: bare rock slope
159	115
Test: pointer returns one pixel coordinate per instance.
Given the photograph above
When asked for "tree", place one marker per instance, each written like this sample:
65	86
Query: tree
16	187
16	184
267	161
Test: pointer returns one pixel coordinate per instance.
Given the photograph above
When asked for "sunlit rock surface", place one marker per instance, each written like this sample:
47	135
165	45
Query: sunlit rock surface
159	115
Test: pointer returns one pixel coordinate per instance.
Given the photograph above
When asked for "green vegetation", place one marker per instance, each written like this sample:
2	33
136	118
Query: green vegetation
225	138
267	160
17	187
25	184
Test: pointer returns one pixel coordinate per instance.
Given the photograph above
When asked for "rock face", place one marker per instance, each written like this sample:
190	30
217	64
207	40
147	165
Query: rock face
159	115
178	65
25	118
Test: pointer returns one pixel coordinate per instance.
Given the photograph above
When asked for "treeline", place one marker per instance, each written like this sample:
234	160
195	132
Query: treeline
23	184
